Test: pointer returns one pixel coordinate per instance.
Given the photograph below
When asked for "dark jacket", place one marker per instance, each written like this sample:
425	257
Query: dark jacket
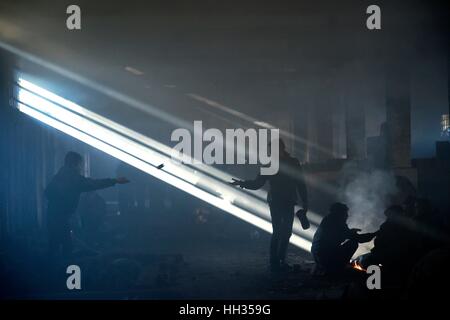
63	191
396	244
332	232
284	185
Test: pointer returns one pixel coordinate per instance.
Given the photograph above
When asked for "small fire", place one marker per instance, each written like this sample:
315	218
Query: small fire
355	265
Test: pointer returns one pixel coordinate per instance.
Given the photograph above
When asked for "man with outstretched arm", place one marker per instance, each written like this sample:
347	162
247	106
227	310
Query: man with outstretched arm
285	187
63	195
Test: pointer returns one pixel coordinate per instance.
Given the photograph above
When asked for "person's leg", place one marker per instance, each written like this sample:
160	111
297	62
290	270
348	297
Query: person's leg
333	260
275	239
319	267
286	232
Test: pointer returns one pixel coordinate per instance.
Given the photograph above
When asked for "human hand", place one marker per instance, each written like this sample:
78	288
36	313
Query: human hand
236	182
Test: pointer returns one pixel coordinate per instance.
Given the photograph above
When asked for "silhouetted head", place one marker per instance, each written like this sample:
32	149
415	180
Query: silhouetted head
339	211
73	160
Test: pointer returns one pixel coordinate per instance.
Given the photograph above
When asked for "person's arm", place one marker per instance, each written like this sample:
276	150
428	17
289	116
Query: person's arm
365	237
254	184
361	238
88	184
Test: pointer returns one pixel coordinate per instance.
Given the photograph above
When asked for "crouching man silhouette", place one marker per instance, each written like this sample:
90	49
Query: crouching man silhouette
334	243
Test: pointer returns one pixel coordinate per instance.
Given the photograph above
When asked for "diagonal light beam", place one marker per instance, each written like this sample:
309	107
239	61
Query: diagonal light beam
145	155
210	175
207	170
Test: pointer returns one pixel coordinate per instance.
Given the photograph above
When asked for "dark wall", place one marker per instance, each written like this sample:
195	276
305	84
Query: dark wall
5	76
25	160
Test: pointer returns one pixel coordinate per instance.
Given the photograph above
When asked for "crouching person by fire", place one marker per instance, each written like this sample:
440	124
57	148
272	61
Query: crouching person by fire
334	243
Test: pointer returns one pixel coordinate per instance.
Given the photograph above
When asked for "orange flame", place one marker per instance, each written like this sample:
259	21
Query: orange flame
355	265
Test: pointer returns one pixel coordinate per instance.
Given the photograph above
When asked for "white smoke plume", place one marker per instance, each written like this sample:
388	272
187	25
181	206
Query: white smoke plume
366	192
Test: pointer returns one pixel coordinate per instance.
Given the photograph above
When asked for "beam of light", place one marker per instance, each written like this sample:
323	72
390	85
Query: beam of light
59	113
141	165
209	170
260	195
314	218
109	92
134	71
159	151
101	133
257	122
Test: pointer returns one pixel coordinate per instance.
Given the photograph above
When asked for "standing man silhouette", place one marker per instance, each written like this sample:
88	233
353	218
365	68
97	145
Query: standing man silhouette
285	187
63	195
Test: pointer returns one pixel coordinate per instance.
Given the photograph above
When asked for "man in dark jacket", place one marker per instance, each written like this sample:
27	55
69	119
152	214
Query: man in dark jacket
334	243
63	195
285	186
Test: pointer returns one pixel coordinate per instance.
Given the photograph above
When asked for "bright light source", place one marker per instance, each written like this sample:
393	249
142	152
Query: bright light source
248	198
146	154
257	199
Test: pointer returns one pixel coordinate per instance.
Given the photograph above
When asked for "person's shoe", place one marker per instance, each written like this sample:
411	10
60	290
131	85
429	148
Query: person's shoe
301	214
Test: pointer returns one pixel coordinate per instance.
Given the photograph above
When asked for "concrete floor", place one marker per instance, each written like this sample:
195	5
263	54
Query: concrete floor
172	265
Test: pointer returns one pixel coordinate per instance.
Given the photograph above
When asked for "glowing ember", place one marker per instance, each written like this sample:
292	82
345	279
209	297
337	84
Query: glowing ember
355	265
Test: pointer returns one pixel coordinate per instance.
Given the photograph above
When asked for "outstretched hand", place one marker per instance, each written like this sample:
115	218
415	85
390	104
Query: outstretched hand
122	180
236	182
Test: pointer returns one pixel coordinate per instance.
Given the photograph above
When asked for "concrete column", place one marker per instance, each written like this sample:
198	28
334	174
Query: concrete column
398	116
321	148
354	96
355	128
